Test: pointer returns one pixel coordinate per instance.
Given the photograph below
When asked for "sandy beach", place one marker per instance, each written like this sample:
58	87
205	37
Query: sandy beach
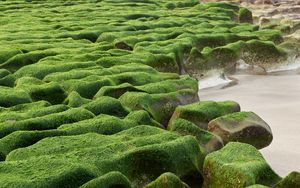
275	98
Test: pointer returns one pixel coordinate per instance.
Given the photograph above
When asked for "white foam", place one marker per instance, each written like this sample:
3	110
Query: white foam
219	81
293	63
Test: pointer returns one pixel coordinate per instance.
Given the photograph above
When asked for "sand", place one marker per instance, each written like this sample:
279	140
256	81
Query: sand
275	98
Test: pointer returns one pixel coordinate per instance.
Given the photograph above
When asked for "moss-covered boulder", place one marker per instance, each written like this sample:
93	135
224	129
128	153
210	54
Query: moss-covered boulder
256	52
10	97
237	165
167	180
109	180
290	181
245	15
141	154
246	127
39	90
201	113
106	105
207	140
160	106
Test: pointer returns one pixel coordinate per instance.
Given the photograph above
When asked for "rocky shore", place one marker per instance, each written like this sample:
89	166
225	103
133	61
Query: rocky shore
105	94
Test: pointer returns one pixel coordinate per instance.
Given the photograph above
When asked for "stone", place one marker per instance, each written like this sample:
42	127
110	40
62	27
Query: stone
237	165
246	127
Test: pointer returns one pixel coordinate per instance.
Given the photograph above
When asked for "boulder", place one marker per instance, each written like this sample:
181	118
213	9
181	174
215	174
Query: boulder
246	127
109	180
161	106
207	140
237	165
167	180
245	15
200	113
290	181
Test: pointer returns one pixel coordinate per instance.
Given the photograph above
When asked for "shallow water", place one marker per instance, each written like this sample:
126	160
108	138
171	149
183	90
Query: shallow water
275	98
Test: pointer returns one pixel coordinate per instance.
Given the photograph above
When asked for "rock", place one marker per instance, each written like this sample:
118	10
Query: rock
246	127
245	15
109	180
167	180
257	186
141	154
160	106
243	68
201	113
207	140
237	165
106	105
290	181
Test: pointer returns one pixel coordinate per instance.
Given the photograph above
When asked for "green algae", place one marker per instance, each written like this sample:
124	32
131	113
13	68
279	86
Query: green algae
73	72
291	180
167	180
207	140
111	179
127	152
201	113
245	166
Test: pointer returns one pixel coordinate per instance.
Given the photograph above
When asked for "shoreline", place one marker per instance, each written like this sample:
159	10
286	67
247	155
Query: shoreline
275	99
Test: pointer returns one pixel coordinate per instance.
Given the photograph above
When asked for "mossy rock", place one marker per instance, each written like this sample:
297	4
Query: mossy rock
167	180
257	52
246	127
245	15
75	100
39	90
141	154
41	109
6	78
50	121
160	106
290	181
201	113
109	180
207	140
237	165
106	105
115	91
258	186
10	97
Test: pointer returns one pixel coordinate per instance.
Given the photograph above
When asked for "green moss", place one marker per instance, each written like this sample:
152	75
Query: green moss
87	88
245	127
50	121
10	97
106	105
237	165
8	80
260	52
75	100
115	91
141	117
207	140
141	154
37	111
160	106
168	86
270	35
111	179
245	15
290	181
201	113
38	90
19	60
237	116
167	180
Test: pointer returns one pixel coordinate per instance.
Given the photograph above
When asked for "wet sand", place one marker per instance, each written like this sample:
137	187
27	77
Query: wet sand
275	98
